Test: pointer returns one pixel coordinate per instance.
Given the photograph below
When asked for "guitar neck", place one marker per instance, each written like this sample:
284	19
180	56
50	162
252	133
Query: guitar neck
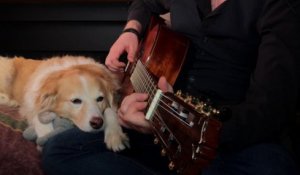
144	82
187	132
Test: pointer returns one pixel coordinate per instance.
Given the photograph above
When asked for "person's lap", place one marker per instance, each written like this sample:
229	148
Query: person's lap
76	152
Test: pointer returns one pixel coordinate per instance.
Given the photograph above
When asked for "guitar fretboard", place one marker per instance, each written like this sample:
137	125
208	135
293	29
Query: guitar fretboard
143	82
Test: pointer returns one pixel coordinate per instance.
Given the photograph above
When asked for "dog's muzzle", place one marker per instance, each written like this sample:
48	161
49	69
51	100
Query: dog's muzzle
96	122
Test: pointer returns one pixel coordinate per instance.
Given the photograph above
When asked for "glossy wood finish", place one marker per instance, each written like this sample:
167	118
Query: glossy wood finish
163	51
190	143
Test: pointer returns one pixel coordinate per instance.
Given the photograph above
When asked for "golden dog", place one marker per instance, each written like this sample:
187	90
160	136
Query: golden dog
73	87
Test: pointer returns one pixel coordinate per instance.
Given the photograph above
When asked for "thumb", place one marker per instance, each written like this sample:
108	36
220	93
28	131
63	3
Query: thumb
132	53
164	85
113	54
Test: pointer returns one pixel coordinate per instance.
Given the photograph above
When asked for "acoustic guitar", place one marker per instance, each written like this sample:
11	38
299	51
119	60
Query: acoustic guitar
186	127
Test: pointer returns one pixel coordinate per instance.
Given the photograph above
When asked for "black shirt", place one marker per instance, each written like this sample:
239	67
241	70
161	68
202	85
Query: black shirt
244	55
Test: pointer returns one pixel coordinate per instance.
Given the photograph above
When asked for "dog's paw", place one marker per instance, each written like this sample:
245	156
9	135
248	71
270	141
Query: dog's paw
116	140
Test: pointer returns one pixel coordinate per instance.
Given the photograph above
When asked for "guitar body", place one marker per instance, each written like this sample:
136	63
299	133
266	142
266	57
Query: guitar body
188	132
163	51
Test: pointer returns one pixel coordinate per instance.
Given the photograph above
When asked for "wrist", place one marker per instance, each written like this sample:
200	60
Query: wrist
134	24
132	30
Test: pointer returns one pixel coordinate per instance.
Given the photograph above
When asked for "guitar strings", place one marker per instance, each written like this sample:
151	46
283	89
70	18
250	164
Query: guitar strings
145	83
150	83
171	110
168	108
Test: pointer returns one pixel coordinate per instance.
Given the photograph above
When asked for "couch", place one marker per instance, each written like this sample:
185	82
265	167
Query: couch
18	156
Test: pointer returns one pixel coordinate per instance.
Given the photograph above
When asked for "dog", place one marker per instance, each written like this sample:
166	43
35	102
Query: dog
74	87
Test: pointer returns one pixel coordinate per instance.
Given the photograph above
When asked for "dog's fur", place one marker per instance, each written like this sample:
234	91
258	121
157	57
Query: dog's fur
73	87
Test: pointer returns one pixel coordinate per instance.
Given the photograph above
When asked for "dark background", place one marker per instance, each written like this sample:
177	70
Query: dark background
44	28
39	29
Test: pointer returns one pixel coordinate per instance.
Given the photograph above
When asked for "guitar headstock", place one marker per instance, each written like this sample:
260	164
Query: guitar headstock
188	131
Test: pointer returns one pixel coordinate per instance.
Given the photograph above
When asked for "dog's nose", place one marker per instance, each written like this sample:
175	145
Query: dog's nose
96	122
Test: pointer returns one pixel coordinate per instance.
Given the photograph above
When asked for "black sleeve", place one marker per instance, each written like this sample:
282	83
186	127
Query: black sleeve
271	98
141	10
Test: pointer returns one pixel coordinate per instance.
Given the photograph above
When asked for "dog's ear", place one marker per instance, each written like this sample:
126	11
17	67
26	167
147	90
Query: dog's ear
46	101
47	95
112	99
112	83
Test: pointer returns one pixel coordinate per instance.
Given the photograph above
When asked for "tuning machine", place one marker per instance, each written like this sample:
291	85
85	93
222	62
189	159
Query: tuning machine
163	152
171	165
201	105
155	141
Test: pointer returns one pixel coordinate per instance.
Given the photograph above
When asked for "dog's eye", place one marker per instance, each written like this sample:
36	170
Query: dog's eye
76	101
99	99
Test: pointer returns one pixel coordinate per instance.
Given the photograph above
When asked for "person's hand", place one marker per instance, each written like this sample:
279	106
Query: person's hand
126	43
164	85
131	113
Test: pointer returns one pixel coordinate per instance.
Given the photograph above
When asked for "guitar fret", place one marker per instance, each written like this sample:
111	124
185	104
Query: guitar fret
142	78
142	81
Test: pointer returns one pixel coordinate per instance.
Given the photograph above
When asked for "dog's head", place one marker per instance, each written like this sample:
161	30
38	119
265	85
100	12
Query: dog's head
80	93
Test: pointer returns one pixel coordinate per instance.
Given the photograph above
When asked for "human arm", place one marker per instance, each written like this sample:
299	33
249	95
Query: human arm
127	42
139	15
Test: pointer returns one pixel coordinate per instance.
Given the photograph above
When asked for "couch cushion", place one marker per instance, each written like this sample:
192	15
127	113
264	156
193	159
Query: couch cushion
17	155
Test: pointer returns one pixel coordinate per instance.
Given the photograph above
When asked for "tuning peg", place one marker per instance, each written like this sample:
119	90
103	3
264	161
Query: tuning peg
155	141
188	99
163	152
171	165
178	93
